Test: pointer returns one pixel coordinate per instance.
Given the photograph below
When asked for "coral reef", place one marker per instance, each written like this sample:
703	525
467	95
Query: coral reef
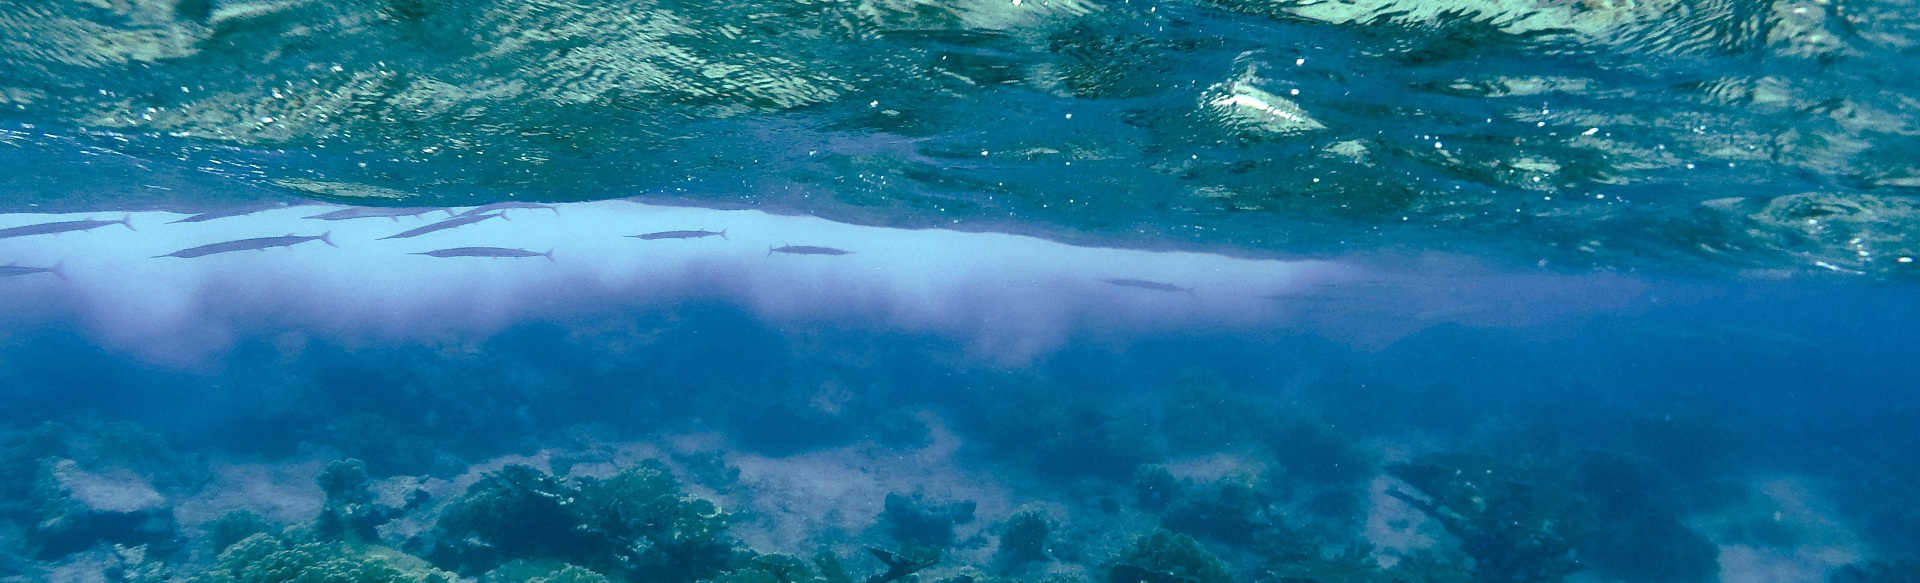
1032	479
655	531
350	513
1024	538
1166	557
1231	510
542	572
1515	531
517	512
634	523
916	521
234	526
264	558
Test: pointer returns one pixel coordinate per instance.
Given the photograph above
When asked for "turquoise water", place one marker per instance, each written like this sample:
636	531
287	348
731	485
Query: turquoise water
1698	135
996	291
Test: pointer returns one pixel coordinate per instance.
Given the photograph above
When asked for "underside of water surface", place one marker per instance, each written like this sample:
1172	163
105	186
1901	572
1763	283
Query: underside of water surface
971	291
1686	134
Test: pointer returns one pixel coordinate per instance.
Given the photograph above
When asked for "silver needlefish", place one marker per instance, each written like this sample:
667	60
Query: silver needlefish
258	244
16	270
509	205
368	212
806	250
1144	284
232	212
486	252
456	222
681	235
62	227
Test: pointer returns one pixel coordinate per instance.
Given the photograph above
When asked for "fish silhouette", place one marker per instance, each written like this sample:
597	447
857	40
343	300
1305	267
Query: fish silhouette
62	227
232	212
806	250
15	270
681	235
367	212
508	205
1152	285
257	244
456	222
486	252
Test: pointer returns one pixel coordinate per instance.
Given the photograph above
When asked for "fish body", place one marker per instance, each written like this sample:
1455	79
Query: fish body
366	212
456	222
1152	285
508	205
62	227
258	244
486	252
806	250
232	212
681	235
11	270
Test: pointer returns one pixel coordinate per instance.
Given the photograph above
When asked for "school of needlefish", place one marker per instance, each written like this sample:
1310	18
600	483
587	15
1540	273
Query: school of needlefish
453	220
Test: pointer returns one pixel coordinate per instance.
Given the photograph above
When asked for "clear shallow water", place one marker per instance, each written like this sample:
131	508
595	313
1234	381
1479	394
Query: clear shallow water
1069	292
926	392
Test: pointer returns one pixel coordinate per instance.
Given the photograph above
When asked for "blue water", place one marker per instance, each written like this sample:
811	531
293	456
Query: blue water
969	292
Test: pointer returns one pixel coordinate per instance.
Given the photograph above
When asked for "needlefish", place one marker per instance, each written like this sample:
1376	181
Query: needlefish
500	252
15	270
62	227
258	244
681	235
1151	285
366	212
509	205
232	212
456	222
806	250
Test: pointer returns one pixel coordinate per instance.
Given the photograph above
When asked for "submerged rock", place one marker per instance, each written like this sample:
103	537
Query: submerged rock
1165	557
917	521
80	509
1024	539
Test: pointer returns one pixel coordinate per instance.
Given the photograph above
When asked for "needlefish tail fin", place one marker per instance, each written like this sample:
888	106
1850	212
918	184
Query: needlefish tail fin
723	235
59	270
327	238
549	256
128	221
